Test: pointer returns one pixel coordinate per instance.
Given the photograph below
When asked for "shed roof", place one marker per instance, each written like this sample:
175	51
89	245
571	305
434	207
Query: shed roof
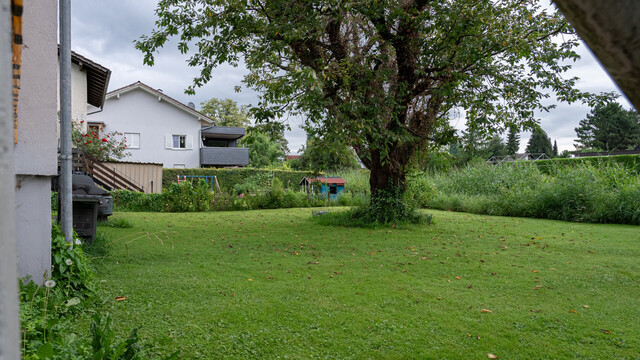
223	132
97	79
324	180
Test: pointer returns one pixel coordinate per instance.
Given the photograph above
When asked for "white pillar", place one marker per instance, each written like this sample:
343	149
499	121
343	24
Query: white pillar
9	324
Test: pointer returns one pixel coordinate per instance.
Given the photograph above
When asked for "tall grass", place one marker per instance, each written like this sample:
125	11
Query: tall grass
601	193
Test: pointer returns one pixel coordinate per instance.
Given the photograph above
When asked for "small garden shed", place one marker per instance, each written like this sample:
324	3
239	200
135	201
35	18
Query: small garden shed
326	186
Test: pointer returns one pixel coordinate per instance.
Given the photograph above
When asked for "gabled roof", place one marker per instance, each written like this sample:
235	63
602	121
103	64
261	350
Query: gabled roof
97	79
161	96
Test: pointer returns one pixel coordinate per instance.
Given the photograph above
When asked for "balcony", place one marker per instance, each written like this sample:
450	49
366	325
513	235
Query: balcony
224	156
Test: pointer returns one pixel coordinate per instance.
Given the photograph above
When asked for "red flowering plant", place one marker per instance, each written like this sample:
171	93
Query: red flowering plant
99	146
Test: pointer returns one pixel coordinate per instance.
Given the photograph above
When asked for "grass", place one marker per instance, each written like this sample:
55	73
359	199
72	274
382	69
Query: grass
273	284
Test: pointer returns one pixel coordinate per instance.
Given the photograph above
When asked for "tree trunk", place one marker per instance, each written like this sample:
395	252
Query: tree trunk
390	173
388	184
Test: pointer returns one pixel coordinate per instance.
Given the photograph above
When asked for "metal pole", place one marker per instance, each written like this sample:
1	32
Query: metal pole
9	324
66	204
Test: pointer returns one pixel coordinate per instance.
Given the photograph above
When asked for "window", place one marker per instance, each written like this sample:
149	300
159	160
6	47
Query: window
133	140
178	166
178	142
93	129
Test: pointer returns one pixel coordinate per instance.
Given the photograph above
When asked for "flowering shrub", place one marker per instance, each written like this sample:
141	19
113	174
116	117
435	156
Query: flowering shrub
101	147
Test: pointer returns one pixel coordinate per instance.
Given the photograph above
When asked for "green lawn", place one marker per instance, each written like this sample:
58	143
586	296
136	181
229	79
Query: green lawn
273	284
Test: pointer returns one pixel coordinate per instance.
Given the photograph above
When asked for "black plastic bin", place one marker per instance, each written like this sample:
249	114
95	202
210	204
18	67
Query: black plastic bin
85	215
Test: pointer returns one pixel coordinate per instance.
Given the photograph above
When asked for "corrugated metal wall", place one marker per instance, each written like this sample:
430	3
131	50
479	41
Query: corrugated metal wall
147	175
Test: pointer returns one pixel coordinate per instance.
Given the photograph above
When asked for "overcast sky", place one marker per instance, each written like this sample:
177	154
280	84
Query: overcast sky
104	32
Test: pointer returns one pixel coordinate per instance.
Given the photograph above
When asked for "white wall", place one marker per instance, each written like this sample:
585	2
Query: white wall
78	95
138	111
36	150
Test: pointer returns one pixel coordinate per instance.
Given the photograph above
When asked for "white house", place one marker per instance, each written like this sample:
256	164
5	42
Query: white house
89	83
161	129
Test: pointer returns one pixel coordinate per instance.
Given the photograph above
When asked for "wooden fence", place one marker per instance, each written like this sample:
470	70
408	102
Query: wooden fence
148	175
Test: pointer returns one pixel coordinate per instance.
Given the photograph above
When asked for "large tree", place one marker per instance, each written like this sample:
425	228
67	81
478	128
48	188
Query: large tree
609	127
325	154
539	143
275	131
513	141
263	152
226	112
383	75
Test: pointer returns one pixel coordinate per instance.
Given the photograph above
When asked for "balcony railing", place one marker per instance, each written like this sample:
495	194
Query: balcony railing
224	156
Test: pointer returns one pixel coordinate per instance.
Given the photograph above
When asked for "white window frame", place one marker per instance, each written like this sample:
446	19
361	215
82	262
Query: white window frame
131	143
169	144
179	166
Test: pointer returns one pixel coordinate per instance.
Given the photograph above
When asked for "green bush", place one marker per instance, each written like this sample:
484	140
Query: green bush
228	178
125	200
185	197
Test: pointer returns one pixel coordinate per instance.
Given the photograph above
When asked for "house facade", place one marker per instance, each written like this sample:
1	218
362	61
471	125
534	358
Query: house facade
160	129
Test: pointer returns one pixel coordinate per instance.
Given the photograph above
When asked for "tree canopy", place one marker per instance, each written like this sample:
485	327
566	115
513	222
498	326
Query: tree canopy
326	154
513	141
609	127
386	75
226	112
539	143
263	152
275	132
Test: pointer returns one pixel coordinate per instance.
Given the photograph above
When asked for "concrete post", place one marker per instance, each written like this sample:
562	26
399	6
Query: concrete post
9	324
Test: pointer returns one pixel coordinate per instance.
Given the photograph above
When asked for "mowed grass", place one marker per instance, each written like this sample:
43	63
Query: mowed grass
274	284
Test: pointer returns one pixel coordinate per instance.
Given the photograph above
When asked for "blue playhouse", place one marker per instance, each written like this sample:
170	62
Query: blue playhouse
326	186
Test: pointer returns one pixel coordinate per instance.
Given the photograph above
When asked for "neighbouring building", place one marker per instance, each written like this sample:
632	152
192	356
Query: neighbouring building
161	129
89	84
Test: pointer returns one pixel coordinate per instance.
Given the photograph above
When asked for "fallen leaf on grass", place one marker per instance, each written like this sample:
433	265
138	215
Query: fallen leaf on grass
458	277
605	331
585	306
121	298
485	311
534	271
592	252
573	311
250	279
491	356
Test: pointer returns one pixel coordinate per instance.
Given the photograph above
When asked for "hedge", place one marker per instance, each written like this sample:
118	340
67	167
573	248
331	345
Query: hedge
227	178
630	162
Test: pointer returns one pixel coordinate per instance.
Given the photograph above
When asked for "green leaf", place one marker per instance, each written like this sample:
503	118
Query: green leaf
45	351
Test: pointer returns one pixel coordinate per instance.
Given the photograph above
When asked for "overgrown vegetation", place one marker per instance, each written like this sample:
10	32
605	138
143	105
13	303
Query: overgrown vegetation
607	193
